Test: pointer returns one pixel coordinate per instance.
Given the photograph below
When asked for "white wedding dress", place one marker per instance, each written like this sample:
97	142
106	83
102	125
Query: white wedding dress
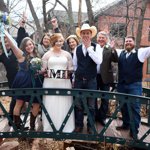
57	106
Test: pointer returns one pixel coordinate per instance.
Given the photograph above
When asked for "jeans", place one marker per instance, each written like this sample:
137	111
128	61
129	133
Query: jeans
79	109
135	89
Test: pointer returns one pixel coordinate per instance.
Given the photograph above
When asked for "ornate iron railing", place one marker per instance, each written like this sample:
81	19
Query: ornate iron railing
99	136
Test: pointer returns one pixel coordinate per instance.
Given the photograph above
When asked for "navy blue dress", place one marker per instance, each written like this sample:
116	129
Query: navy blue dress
26	79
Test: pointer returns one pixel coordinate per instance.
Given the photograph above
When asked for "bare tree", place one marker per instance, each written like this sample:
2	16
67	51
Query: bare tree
46	14
70	15
37	23
3	6
80	13
140	25
90	12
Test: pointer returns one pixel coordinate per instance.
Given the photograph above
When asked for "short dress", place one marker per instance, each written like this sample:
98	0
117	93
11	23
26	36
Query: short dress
26	79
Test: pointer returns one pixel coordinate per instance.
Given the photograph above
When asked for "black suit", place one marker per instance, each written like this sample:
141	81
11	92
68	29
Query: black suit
105	80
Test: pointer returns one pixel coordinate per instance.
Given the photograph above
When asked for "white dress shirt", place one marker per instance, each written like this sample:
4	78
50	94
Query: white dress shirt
96	55
143	53
98	66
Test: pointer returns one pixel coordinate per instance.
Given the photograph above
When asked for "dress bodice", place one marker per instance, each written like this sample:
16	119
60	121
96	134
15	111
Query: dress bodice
23	66
58	63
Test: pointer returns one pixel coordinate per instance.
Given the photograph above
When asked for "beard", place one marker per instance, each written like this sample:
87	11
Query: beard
129	47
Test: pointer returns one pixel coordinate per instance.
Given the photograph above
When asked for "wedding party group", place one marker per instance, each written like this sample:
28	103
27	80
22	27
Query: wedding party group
81	61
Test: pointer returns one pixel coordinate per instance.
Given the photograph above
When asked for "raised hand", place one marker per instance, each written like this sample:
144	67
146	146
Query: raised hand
23	20
112	44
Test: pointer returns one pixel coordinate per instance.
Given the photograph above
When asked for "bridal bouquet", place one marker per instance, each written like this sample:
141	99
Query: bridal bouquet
36	64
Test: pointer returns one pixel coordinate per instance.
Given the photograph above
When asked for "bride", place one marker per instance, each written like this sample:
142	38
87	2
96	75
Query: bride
58	64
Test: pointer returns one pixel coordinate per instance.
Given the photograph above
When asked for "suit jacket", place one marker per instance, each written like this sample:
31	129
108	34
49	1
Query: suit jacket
106	68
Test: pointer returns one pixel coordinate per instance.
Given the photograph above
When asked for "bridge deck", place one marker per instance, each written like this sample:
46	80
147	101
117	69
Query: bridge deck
111	131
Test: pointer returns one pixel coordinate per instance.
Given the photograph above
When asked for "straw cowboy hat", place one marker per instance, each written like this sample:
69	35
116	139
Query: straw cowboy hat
86	27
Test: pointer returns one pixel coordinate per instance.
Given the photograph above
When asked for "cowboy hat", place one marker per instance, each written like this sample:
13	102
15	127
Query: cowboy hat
86	26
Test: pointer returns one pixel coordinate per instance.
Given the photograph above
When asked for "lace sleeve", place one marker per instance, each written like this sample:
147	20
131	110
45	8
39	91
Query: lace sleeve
45	61
70	62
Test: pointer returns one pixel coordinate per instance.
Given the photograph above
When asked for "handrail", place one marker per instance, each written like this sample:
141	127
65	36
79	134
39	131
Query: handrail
77	93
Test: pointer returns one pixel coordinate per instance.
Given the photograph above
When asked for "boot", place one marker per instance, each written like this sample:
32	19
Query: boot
32	122
17	121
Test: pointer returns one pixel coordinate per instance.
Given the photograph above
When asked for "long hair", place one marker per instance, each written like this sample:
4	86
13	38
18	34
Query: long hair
23	48
45	34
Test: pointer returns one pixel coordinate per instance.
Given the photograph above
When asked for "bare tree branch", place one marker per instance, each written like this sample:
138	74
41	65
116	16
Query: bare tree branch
62	5
52	8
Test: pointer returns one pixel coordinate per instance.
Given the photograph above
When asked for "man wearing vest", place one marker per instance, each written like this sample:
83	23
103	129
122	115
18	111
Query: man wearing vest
105	78
86	58
130	67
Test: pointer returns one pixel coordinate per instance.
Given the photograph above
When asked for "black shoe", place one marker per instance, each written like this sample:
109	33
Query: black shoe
102	122
78	130
123	127
134	136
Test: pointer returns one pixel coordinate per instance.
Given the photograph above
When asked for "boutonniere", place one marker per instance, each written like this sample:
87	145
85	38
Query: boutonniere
107	46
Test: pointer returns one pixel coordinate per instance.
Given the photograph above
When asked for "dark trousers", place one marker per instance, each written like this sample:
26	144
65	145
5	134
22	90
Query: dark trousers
101	113
79	109
135	89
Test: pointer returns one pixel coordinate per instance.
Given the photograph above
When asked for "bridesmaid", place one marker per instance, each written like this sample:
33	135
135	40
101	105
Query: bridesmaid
25	78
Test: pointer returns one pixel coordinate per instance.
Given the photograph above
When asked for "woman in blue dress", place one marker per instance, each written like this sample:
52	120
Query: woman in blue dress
25	78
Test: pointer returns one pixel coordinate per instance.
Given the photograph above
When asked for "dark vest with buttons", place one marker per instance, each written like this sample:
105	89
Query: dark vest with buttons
130	69
86	67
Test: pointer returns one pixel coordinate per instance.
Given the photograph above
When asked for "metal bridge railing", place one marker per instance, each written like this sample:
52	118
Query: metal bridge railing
76	93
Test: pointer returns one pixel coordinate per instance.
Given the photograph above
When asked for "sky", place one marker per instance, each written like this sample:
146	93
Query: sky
22	6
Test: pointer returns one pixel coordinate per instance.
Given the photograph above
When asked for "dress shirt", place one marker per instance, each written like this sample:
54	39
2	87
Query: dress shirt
96	55
98	66
143	53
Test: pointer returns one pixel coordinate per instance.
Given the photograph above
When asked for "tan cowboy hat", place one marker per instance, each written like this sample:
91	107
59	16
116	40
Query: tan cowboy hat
86	26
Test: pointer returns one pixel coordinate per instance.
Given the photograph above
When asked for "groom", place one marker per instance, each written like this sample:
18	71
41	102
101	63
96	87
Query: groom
86	58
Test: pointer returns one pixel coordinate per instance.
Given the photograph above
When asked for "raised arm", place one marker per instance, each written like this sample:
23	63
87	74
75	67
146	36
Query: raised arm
13	45
21	34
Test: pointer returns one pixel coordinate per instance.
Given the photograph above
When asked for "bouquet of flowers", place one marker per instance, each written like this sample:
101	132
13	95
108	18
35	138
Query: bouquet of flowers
36	64
4	18
4	23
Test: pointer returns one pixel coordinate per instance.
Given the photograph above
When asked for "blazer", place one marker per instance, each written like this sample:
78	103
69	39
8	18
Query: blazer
106	68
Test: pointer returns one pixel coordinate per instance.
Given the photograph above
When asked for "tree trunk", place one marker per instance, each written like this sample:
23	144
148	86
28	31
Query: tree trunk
80	14
90	12
70	16
140	25
133	24
44	14
37	23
